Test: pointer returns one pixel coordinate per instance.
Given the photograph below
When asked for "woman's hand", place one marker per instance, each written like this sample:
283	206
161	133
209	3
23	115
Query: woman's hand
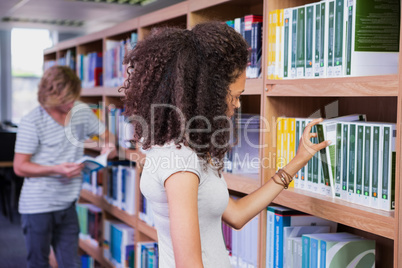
307	149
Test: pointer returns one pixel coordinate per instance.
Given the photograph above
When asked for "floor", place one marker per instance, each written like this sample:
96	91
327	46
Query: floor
12	243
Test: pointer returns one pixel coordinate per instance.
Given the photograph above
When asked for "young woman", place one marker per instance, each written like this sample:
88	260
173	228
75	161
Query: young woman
182	89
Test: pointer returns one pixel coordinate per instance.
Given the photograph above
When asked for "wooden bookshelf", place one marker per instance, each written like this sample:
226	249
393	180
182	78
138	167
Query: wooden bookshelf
120	214
244	183
380	97
381	85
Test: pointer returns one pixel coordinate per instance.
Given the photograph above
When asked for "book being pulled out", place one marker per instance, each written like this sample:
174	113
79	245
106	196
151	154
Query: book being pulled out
93	163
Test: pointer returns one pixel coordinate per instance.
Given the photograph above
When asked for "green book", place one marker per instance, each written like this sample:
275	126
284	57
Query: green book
352	163
330	37
375	167
316	168
293	40
339	48
338	161
287	41
309	39
359	164
345	160
368	148
387	199
372	39
300	49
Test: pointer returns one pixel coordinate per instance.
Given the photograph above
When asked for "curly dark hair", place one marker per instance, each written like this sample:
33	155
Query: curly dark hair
190	70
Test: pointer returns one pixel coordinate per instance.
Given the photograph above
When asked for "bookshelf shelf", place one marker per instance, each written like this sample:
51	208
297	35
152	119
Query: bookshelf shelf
95	251
92	198
244	183
382	85
149	231
120	214
112	92
91	92
254	87
354	215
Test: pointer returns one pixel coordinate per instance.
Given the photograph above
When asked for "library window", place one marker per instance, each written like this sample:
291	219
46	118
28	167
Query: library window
27	47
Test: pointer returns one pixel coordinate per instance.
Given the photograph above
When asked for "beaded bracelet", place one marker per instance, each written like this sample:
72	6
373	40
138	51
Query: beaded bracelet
285	177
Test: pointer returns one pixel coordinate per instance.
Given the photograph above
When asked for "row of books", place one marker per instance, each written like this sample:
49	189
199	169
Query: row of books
283	223
242	245
250	27
89	262
68	59
333	250
90	221
244	156
146	214
334	38
92	181
147	254
358	166
120	126
118	243
90	69
115	71
121	186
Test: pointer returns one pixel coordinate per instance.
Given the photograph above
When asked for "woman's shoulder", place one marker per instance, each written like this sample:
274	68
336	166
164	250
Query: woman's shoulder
170	149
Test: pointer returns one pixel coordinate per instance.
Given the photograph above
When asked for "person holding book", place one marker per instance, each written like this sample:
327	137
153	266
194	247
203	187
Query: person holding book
49	141
183	88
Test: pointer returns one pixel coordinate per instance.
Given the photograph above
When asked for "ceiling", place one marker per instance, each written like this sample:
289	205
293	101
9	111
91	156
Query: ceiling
67	15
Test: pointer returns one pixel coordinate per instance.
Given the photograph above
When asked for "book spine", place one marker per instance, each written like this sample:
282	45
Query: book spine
331	36
297	176
349	36
306	252
388	168
375	167
368	137
293	40
339	37
309	40
300	50
292	144
352	163
316	181
359	164
314	247
345	160
339	160
287	41
303	169
323	154
318	37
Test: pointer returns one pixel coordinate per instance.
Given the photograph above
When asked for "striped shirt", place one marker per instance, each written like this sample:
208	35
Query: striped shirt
51	144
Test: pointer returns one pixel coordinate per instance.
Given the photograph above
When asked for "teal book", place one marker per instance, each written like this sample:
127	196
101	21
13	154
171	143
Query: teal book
354	252
311	247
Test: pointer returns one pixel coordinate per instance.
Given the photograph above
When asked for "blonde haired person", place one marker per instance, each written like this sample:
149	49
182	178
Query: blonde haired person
49	141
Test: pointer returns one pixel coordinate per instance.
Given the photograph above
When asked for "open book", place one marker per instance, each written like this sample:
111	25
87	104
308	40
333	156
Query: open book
93	163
